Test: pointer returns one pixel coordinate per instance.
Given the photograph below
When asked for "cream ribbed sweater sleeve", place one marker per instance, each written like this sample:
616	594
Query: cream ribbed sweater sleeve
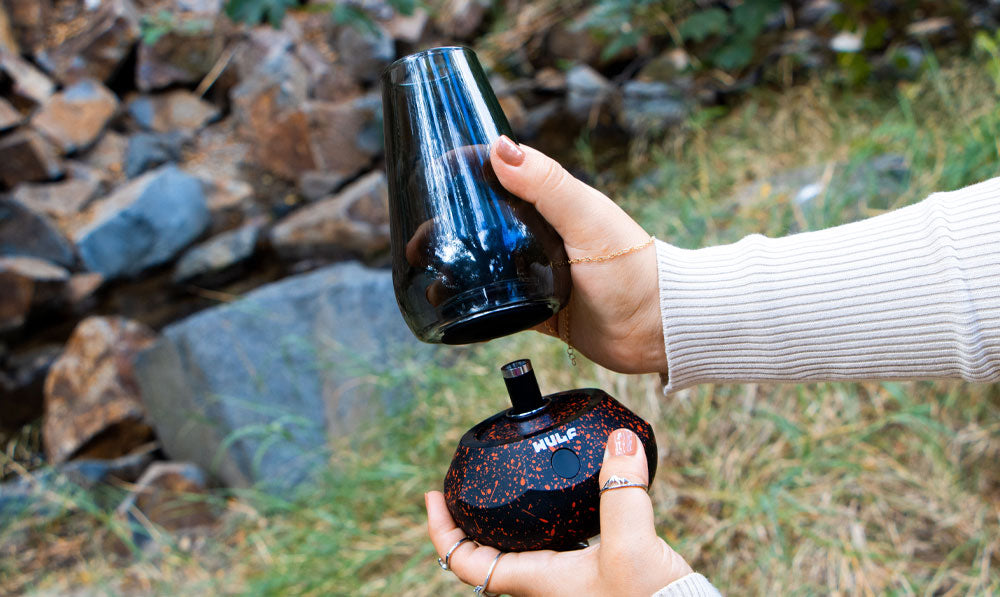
913	293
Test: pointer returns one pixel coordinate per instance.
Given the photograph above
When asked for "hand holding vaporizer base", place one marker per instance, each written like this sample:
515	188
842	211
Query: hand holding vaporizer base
616	323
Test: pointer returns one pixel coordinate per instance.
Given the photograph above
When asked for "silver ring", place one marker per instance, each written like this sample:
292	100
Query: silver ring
481	589
446	562
616	482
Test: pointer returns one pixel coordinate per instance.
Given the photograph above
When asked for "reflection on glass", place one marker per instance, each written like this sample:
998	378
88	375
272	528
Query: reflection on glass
471	262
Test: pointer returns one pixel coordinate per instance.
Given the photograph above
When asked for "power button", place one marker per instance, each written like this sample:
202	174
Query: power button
565	463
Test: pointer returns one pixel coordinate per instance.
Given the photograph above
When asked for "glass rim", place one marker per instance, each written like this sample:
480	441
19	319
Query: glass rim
422	54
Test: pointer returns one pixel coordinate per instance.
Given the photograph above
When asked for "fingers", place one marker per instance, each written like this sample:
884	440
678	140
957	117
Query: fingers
583	216
626	513
471	562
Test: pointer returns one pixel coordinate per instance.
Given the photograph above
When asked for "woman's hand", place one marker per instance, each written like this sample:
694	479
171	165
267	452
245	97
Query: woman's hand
614	312
629	560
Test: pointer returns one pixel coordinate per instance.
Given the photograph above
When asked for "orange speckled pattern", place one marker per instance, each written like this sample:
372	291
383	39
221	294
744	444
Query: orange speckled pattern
502	489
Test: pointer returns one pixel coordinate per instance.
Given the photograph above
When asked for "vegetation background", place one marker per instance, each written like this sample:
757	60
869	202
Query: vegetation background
874	488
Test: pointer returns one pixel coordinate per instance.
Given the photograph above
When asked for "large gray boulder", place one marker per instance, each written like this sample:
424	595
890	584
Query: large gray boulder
251	390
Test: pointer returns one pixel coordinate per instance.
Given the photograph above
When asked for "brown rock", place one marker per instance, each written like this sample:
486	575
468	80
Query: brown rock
27	233
167	495
58	199
92	402
75	117
408	28
30	85
9	116
27	18
461	18
81	290
7	41
28	282
90	41
336	84
339	135
22	375
26	157
183	55
15	300
107	156
177	110
355	221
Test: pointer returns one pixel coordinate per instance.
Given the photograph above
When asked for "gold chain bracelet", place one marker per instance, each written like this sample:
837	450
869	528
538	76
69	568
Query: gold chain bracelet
562	329
609	256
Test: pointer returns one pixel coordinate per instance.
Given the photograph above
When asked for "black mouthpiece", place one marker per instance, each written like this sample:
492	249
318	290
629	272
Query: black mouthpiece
522	387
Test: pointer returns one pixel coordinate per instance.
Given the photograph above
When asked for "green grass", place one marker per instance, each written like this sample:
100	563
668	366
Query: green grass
890	488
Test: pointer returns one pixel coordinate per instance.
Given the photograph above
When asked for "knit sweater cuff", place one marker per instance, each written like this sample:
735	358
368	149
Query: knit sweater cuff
691	585
909	294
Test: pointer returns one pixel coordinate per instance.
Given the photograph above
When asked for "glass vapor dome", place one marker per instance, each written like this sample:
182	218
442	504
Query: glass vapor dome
470	260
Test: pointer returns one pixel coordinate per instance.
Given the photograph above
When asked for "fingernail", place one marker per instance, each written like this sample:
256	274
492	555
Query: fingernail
624	443
509	152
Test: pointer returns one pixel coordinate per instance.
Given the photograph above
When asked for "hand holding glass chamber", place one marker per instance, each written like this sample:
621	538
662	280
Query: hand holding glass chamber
471	261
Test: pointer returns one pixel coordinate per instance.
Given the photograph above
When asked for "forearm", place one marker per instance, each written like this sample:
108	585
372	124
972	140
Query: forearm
910	294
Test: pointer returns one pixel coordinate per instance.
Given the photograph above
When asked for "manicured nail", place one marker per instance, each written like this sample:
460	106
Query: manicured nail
624	443
509	151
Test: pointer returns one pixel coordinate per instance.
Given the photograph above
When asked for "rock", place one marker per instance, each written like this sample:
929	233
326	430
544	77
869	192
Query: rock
550	80
213	262
37	280
251	390
21	496
107	156
879	179
22	376
7	41
316	184
28	283
365	52
461	18
902	62
26	157
9	116
166	495
182	55
846	42
92	404
15	302
144	223
29	83
338	138
514	110
24	232
408	28
149	150
817	12
336	84
57	199
356	221
81	290
27	19
653	106
585	89
177	110
931	28
76	116
94	39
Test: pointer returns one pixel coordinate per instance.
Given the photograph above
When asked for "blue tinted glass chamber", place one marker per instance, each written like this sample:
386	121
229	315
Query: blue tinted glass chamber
470	261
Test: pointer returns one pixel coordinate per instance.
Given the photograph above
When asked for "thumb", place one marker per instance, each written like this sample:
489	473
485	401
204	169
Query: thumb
626	513
586	219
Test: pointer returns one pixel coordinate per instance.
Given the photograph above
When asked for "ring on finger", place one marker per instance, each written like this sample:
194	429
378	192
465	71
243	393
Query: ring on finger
480	590
446	562
616	482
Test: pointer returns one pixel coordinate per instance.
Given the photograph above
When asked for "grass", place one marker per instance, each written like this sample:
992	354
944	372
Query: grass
854	489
